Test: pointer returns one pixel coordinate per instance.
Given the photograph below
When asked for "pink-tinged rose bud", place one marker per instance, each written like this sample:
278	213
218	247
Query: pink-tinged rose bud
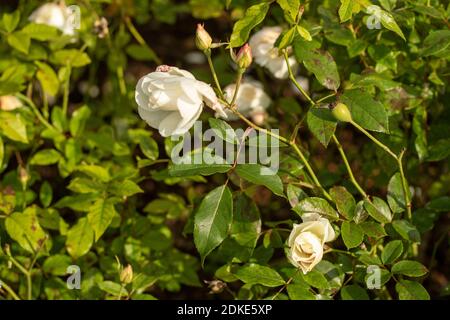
244	57
202	38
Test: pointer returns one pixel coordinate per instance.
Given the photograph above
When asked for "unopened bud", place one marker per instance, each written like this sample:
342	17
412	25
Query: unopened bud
126	276
24	177
244	57
202	38
340	112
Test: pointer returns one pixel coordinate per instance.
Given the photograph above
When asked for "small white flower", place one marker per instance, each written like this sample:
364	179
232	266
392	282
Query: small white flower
9	103
251	99
306	241
171	100
266	55
55	15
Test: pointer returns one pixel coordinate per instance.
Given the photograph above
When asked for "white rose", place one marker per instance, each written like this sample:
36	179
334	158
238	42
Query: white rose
266	55
55	15
171	100
251	99
306	242
9	103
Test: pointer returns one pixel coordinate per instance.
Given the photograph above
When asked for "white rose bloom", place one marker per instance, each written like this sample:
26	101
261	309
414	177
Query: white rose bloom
9	103
266	55
171	100
306	241
251	99
55	15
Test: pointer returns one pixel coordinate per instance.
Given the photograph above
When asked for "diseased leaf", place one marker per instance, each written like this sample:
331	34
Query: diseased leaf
314	205
411	290
80	238
322	124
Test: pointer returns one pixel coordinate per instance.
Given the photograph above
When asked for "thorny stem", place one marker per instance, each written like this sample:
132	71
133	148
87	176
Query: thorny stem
285	285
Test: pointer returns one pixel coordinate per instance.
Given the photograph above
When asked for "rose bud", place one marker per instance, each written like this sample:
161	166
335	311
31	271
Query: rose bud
202	38
341	112
244	57
126	276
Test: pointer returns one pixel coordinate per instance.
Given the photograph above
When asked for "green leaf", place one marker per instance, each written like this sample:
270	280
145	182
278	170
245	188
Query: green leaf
141	53
407	230
411	290
344	200
286	38
57	265
437	43
246	226
441	204
253	16
316	279
24	228
80	238
299	292
392	251
48	78
378	209
213	220
41	32
95	172
203	169
354	292
409	268
45	157
46	194
317	61
223	130
319	206
395	196
78	121
365	111
373	229
125	188
304	33
290	9
261	175
10	21
12	125
388	21
113	288
352	234
19	41
149	147
322	124
72	57
100	216
256	274
346	10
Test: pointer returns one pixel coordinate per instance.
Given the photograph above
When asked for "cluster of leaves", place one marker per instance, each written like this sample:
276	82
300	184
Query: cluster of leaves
84	182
